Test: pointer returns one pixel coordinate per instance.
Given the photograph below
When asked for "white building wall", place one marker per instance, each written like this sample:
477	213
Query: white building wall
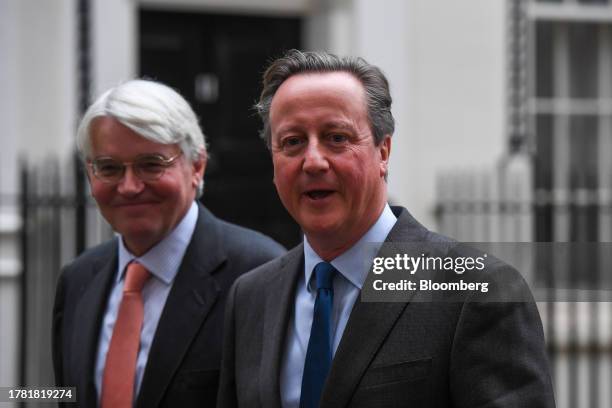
457	95
114	34
9	26
45	92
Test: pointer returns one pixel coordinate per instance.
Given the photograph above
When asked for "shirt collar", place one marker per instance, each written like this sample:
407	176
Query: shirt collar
354	263
164	259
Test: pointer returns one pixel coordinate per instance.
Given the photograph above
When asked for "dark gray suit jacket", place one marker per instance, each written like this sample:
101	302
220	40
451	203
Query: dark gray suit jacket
410	354
184	359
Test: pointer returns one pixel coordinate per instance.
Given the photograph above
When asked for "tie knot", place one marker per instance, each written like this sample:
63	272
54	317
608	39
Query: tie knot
324	273
135	277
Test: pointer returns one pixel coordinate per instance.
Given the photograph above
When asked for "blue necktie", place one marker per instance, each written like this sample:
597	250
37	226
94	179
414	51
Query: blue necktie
319	354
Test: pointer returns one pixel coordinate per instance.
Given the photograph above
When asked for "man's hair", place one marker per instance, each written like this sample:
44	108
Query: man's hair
151	109
375	84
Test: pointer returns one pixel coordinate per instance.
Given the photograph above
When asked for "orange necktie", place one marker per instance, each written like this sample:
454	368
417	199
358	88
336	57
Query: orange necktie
120	367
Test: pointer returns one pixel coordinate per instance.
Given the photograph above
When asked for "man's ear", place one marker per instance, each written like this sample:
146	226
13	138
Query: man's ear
199	168
385	151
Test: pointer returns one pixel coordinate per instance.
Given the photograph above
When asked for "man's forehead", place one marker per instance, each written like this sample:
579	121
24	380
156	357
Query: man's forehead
334	97
107	133
309	87
323	80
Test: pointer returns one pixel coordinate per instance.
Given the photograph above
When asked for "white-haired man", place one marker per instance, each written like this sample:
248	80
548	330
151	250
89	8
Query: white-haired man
137	320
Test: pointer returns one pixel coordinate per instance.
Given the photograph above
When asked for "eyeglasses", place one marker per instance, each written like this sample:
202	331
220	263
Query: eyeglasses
146	168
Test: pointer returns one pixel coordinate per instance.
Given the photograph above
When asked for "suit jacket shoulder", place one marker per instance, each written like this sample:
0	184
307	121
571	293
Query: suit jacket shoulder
249	246
81	269
268	271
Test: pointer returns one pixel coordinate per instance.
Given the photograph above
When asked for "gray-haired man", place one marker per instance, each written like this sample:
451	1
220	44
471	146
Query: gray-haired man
297	333
138	320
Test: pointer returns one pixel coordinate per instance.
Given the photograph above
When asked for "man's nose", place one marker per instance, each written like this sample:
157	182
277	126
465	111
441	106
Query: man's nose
315	158
130	184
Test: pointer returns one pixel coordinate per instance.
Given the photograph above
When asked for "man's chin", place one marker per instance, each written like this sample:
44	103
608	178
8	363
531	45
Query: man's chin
321	226
140	235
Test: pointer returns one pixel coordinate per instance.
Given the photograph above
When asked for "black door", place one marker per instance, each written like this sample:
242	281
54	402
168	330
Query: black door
216	62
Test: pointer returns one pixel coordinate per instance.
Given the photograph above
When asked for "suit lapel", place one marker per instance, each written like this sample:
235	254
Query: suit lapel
280	298
89	315
367	327
366	330
191	298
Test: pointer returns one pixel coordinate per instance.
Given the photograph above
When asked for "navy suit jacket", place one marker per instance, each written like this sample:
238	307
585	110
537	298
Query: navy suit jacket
184	359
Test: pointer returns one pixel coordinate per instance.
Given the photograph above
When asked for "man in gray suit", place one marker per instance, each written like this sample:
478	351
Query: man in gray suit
297	332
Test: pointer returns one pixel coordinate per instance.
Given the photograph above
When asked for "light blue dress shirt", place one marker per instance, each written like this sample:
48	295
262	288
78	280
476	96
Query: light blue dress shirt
353	266
163	261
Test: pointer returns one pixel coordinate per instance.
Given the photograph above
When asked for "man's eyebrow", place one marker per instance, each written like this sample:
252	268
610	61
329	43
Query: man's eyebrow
138	157
288	128
331	125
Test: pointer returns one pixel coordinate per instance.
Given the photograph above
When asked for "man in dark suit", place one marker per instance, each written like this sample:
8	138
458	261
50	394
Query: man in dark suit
138	320
297	332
